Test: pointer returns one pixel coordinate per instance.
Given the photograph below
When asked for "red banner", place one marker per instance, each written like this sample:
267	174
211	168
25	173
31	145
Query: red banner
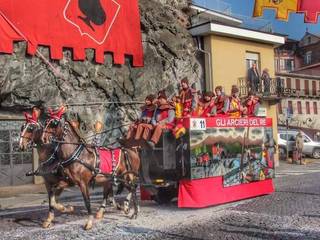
311	9
239	122
111	26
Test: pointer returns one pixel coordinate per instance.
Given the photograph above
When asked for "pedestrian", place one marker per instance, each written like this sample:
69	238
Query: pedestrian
266	79
254	78
299	146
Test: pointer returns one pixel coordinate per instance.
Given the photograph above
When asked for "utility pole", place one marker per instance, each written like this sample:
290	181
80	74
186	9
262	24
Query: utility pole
287	128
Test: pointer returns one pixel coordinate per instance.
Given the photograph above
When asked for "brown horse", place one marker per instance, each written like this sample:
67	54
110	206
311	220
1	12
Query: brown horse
31	132
80	162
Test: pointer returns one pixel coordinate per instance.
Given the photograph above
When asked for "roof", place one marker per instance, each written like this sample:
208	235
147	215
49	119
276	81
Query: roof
209	28
210	14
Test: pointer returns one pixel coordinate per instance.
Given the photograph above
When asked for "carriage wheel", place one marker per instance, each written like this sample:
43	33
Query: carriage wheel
165	195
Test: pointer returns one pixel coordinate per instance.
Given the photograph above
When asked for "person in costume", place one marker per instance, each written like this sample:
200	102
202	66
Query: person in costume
205	106
186	95
142	128
221	102
163	119
252	104
235	107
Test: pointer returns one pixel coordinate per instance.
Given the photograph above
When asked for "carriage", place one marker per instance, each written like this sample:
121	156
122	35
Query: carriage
218	160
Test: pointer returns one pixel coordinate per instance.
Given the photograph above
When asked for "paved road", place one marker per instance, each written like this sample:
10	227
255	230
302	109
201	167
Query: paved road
292	212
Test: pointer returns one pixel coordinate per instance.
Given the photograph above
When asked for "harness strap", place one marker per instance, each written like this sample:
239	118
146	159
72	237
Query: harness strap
74	157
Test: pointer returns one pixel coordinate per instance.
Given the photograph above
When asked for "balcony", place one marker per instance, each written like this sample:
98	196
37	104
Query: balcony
290	92
277	90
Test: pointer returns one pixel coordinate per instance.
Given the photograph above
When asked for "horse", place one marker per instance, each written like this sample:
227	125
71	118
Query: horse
80	164
31	132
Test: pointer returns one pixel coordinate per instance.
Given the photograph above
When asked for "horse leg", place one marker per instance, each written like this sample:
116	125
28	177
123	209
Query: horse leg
47	223
126	203
134	201
60	207
107	190
86	197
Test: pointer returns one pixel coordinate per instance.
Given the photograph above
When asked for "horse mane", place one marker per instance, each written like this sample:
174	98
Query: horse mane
77	132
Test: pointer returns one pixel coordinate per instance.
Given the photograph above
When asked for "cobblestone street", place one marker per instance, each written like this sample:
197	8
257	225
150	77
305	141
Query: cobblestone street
292	212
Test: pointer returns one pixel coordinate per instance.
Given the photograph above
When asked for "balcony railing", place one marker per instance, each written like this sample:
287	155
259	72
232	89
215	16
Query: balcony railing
290	92
276	89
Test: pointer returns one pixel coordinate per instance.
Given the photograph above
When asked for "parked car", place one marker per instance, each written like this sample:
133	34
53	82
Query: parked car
311	148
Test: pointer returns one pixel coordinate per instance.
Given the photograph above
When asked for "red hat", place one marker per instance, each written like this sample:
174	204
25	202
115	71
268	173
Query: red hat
209	94
218	88
234	89
162	94
185	80
150	98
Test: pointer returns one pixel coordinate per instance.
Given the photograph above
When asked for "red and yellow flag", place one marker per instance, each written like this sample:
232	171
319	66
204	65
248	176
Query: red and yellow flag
311	8
282	7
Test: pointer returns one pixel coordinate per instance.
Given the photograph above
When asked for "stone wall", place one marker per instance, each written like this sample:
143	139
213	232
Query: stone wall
169	52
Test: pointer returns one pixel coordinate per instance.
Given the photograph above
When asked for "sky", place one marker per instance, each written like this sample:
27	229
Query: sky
295	27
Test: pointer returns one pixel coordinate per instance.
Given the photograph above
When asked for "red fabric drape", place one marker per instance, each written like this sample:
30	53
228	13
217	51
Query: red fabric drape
210	191
104	25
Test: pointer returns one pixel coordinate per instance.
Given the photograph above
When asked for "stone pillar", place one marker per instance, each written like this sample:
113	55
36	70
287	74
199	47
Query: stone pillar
35	165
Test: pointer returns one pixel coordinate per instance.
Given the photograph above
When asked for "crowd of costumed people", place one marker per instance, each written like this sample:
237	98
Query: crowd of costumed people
162	113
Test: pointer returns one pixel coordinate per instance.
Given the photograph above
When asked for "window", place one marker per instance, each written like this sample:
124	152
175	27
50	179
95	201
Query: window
314	88
252	58
307	107
289	65
290	107
315	108
308	58
299	108
298	84
280	108
306	139
289	83
306	87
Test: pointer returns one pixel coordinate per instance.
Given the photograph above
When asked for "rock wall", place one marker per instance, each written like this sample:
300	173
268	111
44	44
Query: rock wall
169	52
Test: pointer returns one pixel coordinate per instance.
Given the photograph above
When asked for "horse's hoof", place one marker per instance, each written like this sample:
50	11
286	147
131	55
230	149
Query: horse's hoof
99	215
89	224
69	209
133	216
46	224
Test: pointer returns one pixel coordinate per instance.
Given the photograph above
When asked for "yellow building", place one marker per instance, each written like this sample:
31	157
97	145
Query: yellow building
230	50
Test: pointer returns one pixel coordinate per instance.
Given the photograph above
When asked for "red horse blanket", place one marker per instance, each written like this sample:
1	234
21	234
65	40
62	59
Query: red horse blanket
106	160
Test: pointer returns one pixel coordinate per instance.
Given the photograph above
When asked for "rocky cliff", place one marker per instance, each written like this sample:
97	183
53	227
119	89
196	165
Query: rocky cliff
169	52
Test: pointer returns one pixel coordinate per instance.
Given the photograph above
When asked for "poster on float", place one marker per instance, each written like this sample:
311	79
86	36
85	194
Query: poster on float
239	149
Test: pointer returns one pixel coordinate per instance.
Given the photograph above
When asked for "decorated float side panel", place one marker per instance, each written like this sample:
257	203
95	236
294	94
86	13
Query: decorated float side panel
241	150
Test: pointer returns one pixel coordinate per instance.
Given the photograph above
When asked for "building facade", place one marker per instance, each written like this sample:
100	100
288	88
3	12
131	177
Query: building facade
302	103
300	57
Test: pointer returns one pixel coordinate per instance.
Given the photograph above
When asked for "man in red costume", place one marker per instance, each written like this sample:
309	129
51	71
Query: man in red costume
252	104
142	128
221	102
235	107
186	96
206	105
164	118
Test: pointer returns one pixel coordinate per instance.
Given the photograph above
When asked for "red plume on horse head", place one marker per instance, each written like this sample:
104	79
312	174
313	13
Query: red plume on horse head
31	118
57	114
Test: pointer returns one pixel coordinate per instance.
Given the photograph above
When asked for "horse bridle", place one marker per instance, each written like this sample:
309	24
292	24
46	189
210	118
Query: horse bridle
25	128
